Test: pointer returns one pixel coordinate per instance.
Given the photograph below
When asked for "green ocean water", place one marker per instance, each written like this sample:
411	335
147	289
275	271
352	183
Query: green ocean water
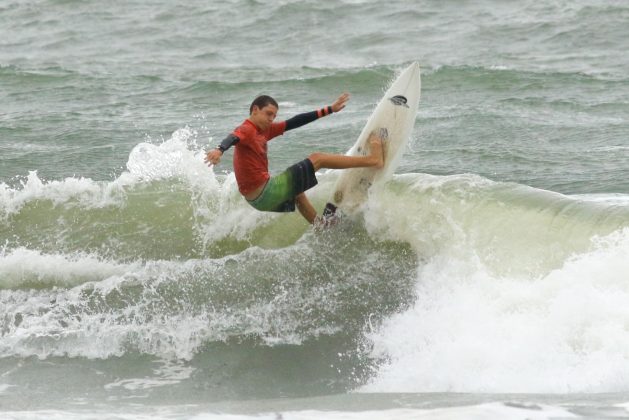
487	278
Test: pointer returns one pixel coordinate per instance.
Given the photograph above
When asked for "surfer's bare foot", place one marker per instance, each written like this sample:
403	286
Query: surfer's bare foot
377	149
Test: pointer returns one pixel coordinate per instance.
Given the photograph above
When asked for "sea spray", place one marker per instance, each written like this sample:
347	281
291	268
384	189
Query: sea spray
472	330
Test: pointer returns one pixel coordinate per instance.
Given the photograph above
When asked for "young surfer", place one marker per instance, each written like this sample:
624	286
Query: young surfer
281	193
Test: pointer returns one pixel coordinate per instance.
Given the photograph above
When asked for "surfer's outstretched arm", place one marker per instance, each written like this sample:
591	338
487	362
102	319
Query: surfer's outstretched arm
308	117
214	156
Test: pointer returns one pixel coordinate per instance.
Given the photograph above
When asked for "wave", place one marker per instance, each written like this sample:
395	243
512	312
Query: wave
30	269
322	285
529	85
471	330
491	78
45	75
521	291
168	258
506	410
169	196
485	278
509	227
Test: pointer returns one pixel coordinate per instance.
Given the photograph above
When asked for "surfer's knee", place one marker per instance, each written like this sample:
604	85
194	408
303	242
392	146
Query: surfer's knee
317	160
299	198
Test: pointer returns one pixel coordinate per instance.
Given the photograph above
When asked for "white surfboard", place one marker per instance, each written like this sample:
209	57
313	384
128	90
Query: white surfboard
396	114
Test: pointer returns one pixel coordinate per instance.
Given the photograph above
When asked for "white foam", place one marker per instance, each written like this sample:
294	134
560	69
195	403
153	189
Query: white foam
475	412
85	192
177	157
19	266
231	216
480	412
471	331
218	208
47	332
616	199
131	312
5	387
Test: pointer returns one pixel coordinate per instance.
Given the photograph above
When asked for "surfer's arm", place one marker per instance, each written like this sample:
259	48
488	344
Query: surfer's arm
228	142
214	155
308	117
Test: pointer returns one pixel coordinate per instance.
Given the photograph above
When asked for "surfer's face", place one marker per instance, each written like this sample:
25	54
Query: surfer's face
263	117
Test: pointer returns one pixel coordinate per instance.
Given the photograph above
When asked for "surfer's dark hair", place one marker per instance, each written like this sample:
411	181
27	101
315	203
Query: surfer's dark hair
262	101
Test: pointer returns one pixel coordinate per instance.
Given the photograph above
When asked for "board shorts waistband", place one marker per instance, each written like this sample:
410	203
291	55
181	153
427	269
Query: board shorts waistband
278	195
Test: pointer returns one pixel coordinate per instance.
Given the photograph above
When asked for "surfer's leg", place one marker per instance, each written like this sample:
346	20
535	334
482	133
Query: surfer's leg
331	161
305	207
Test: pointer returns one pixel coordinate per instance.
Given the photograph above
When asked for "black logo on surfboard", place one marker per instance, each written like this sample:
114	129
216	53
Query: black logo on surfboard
399	100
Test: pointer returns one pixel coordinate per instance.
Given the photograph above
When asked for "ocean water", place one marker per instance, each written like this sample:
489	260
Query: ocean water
488	279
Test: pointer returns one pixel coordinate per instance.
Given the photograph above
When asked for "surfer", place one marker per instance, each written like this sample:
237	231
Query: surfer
282	192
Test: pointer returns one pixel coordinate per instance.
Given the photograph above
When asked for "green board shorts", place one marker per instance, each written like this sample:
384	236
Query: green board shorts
280	191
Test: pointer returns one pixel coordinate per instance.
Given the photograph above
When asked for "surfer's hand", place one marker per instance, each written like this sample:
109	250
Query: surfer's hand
340	102
213	157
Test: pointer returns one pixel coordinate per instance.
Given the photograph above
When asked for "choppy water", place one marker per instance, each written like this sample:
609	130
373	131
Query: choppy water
487	279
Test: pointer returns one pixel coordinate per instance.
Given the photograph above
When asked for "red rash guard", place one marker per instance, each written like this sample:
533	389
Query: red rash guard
251	163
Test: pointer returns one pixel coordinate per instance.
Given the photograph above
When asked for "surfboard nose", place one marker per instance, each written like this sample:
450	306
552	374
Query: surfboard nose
412	71
415	67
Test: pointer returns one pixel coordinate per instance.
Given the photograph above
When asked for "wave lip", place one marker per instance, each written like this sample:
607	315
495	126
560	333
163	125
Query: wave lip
28	269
